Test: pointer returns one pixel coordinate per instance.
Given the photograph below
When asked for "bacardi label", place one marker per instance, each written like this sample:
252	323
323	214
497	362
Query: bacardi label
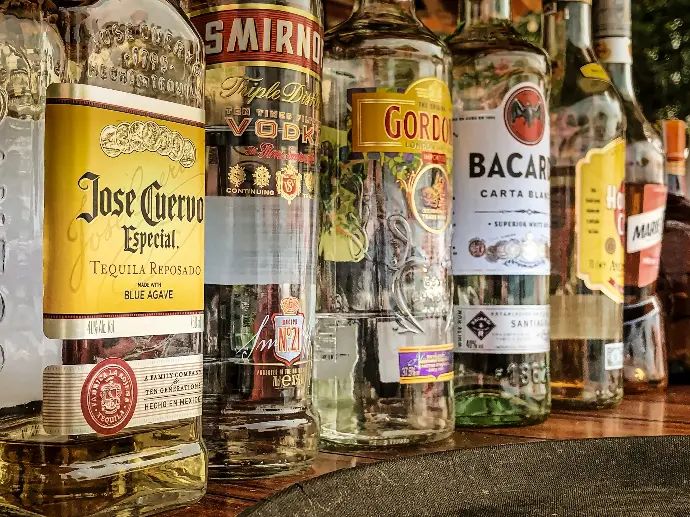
643	235
124	212
502	329
501	207
600	219
114	394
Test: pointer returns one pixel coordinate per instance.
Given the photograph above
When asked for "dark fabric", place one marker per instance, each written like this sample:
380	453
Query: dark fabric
614	477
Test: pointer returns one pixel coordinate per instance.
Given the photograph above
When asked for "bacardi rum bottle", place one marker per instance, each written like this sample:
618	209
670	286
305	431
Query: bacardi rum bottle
587	215
263	101
101	236
384	353
645	194
501	220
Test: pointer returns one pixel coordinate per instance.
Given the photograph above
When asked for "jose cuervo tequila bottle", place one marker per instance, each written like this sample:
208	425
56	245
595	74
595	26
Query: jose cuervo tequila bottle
263	101
645	195
501	216
383	358
101	400
588	215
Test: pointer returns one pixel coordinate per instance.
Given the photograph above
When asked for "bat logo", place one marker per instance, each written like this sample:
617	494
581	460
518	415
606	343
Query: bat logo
525	115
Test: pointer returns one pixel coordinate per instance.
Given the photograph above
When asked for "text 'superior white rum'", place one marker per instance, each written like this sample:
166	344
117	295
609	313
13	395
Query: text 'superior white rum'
587	215
101	380
263	105
501	216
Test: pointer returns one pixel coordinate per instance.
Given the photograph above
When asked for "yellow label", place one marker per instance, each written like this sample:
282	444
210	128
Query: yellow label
124	209
595	71
416	120
600	219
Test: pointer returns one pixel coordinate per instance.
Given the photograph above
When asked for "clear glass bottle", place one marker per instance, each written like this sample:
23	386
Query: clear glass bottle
263	100
501	220
94	420
587	214
645	195
383	348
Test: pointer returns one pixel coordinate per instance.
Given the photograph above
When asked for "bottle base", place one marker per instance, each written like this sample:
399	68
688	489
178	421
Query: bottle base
593	404
140	474
493	409
331	439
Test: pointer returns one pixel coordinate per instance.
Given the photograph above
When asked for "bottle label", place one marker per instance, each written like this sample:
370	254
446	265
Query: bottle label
263	103
426	364
614	50
502	329
113	395
501	213
613	356
600	219
644	232
124	211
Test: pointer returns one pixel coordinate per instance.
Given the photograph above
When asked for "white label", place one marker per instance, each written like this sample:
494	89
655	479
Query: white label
502	329
645	230
113	394
613	353
501	207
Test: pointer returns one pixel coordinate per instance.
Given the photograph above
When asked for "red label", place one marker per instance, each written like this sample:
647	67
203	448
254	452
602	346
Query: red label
525	115
278	35
643	239
109	396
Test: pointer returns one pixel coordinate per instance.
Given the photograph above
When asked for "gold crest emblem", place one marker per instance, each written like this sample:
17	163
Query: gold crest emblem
236	176
261	176
289	183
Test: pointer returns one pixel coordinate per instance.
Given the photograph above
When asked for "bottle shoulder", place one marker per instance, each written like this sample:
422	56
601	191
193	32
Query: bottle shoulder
146	47
388	33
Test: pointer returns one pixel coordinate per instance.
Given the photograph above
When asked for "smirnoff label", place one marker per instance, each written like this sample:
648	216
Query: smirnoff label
124	213
114	394
501	210
643	236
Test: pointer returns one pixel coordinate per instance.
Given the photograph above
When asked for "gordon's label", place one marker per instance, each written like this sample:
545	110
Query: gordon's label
426	364
502	329
643	236
113	394
501	213
124	212
600	219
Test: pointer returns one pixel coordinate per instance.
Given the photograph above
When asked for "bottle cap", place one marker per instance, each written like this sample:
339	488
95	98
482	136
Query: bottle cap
675	139
611	19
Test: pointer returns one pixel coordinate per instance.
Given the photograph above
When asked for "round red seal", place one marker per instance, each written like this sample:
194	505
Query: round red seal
109	396
525	115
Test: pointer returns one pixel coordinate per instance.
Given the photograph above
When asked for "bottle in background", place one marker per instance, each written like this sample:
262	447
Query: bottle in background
101	273
587	214
645	203
501	220
674	274
263	99
383	367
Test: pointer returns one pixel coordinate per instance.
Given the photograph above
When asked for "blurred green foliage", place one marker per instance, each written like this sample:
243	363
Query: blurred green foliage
661	57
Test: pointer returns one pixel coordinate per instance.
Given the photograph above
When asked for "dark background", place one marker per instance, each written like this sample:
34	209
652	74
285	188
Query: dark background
661	45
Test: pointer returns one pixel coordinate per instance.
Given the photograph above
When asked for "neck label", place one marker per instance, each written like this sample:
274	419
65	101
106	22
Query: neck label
614	50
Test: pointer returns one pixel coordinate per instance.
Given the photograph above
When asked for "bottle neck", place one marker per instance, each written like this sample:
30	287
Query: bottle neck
483	12
619	68
405	6
578	19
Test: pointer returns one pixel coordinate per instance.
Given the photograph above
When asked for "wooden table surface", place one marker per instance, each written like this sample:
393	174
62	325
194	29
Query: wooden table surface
649	414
